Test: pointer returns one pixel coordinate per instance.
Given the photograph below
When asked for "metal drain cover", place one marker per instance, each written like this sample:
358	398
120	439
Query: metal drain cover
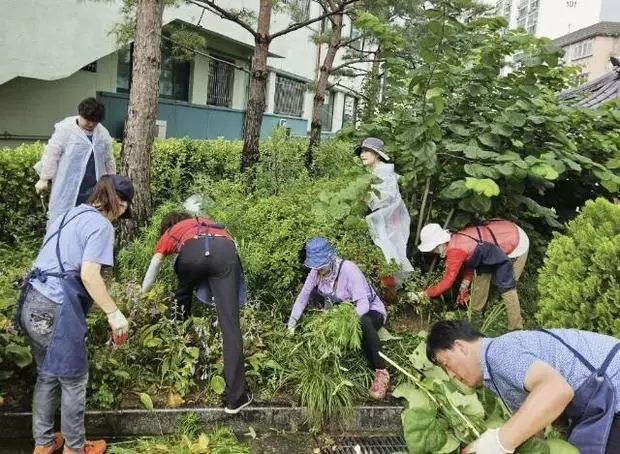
366	445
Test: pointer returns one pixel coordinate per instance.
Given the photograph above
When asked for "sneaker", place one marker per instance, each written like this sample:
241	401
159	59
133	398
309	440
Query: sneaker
56	445
90	447
380	384
243	402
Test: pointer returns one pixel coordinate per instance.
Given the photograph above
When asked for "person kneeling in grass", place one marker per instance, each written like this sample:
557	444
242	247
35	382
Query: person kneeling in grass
539	375
208	263
332	280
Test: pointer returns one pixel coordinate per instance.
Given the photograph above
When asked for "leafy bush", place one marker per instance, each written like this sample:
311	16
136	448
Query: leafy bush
579	283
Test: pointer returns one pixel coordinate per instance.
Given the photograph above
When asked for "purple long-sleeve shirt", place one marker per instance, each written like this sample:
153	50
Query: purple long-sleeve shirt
352	286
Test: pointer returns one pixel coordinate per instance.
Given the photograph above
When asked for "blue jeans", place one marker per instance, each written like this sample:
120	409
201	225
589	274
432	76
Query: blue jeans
37	319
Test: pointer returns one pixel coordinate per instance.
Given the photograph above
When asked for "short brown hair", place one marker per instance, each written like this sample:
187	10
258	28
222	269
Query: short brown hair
172	218
104	196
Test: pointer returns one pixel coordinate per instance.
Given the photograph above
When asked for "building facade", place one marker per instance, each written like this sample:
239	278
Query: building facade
57	53
556	18
590	49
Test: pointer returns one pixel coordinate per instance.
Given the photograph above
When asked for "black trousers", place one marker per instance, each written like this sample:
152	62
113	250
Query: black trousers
613	443
371	323
221	271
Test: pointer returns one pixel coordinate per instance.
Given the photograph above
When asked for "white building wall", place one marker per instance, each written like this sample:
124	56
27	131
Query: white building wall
50	41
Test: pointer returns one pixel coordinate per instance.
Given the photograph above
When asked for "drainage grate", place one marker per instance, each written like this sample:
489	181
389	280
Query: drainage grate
367	445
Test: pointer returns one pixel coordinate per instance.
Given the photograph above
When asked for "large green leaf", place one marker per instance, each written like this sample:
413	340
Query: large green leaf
514	118
452	444
427	155
456	190
476	203
467	403
415	397
489	140
545	170
561	447
19	354
460	130
424	431
484	186
480	171
534	446
501	129
419	359
473	151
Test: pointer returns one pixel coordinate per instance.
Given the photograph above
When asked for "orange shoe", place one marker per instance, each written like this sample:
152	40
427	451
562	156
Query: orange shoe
90	447
56	445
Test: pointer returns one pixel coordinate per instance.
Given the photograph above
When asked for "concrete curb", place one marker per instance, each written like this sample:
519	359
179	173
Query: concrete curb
127	423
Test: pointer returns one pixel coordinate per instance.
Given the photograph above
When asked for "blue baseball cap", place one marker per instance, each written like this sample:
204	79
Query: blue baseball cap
319	252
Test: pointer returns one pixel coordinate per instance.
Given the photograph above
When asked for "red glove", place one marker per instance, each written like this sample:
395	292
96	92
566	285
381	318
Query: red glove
463	297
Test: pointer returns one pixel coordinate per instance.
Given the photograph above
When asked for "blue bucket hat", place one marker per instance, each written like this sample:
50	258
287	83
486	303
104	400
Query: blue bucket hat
319	252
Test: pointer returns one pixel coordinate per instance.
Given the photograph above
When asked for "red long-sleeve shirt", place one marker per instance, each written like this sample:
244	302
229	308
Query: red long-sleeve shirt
461	247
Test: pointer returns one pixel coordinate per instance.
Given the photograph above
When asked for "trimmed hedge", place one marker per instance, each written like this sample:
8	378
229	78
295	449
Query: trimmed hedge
174	167
579	283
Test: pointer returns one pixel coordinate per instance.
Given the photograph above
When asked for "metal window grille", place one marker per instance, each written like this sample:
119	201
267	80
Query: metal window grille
221	82
290	94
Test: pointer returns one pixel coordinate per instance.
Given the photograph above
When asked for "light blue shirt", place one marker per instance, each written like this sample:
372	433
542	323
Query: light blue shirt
511	355
87	238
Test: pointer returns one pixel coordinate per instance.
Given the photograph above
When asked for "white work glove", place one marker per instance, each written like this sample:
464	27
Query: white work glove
488	443
119	325
416	297
41	186
291	327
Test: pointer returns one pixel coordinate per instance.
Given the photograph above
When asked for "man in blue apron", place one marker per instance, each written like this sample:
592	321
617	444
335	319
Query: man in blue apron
58	293
540	376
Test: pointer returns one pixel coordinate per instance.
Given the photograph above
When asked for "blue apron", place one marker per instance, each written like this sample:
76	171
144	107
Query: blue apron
67	355
203	292
490	258
593	408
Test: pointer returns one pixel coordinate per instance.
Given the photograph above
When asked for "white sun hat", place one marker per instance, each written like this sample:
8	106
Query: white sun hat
431	236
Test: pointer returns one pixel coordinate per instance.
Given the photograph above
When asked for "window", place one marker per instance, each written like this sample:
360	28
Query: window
327	112
221	81
173	81
326	25
174	78
349	112
358	44
123	69
290	94
582	49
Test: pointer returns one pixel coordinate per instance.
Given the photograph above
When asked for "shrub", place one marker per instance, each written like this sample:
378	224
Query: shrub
579	283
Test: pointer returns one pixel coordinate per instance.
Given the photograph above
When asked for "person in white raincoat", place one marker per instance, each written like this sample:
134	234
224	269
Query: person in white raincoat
388	219
76	156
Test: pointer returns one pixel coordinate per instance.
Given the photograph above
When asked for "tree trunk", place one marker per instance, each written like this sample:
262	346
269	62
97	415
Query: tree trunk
258	85
321	87
140	126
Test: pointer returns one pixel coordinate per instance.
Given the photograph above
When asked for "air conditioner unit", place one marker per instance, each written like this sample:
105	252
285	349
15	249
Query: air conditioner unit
161	127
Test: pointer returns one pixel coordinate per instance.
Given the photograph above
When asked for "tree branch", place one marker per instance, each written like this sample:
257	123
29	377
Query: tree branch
350	41
297	26
224	14
359	60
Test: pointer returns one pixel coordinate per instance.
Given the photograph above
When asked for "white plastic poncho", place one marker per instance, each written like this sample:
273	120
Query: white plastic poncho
389	220
64	162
